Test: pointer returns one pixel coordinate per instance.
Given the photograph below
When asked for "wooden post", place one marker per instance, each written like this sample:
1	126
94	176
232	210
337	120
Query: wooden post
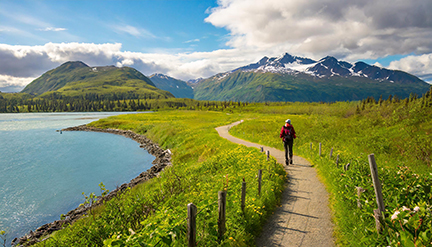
378	219
259	181
346	167
360	190
331	152
311	146
376	183
191	224
222	214
262	149
268	155
243	195
337	160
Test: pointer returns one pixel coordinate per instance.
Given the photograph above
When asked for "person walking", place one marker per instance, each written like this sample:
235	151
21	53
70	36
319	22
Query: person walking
288	135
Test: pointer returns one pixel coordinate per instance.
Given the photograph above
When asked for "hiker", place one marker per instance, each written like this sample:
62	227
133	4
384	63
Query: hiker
288	135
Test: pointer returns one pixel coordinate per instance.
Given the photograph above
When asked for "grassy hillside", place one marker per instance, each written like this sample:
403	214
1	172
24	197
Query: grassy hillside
76	79
262	87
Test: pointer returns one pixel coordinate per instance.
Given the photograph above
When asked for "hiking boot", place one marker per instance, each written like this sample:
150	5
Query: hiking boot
291	160
286	162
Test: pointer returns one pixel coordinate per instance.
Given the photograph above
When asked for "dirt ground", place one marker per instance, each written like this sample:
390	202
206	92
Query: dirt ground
304	217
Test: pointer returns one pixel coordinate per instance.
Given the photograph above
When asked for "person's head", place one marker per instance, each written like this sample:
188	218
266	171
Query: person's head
288	121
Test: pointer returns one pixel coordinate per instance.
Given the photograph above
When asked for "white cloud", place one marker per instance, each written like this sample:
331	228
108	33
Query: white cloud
343	28
192	41
53	29
32	61
417	65
134	31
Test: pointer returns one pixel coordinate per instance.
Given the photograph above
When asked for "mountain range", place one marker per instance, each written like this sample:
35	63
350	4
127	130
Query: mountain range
283	78
292	78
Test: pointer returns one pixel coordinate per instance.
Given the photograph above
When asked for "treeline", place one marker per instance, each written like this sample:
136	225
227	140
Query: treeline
94	102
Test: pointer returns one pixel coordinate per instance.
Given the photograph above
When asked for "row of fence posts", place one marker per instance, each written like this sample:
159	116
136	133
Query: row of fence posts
192	210
378	213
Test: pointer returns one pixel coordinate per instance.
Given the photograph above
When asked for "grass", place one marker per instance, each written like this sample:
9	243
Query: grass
154	212
396	132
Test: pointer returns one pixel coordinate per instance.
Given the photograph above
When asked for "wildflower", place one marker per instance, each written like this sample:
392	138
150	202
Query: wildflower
417	208
395	215
405	209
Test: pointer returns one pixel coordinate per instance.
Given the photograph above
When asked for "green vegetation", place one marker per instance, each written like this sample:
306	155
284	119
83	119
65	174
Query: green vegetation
273	87
178	88
19	103
154	213
398	132
75	79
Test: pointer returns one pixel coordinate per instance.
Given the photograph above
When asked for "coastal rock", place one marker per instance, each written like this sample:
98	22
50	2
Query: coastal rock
162	160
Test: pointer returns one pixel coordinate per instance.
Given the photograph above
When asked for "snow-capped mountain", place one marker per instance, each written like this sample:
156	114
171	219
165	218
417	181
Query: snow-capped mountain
327	67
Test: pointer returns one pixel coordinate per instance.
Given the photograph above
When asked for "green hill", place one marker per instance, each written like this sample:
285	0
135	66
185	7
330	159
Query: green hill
266	86
76	79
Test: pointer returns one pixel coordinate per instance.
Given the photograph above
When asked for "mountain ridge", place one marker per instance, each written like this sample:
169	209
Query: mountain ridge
76	78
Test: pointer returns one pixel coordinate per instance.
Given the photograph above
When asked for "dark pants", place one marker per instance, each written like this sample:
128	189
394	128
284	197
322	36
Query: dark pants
288	145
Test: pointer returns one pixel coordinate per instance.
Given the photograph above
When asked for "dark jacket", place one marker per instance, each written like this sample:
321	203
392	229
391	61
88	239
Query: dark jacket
287	129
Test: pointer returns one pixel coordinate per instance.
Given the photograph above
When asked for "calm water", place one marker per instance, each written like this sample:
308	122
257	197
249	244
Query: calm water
43	172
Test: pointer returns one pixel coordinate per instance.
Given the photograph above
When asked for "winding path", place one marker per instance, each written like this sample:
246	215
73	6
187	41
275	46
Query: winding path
304	218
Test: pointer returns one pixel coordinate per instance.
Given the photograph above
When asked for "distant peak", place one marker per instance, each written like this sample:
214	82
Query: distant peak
159	75
74	64
328	58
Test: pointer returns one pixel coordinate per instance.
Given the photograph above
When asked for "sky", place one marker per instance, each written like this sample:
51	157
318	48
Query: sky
189	39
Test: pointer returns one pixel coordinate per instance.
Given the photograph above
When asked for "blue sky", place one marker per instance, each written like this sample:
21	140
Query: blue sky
141	26
188	39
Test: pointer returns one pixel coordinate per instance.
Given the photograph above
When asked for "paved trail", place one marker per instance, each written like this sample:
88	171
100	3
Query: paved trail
304	218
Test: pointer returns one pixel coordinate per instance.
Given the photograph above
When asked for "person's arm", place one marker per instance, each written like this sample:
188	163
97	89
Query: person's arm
281	135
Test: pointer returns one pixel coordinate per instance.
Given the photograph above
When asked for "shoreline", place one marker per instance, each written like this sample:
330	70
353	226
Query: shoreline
162	160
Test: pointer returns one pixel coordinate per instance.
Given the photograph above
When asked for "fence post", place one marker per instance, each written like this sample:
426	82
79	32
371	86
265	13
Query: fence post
376	182
262	149
378	213
360	190
243	195
320	149
222	214
191	224
337	160
268	155
331	152
346	167
311	146
378	219
259	181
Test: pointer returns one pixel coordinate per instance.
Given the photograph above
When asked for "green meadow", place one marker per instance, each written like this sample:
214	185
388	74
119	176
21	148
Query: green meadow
154	213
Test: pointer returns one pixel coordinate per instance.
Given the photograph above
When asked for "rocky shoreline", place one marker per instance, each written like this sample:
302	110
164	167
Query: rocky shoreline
163	159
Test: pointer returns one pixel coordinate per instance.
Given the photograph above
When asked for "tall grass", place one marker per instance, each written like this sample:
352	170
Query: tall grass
154	213
397	132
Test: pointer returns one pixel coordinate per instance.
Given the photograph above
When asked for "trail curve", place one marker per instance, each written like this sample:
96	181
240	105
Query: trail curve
304	217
